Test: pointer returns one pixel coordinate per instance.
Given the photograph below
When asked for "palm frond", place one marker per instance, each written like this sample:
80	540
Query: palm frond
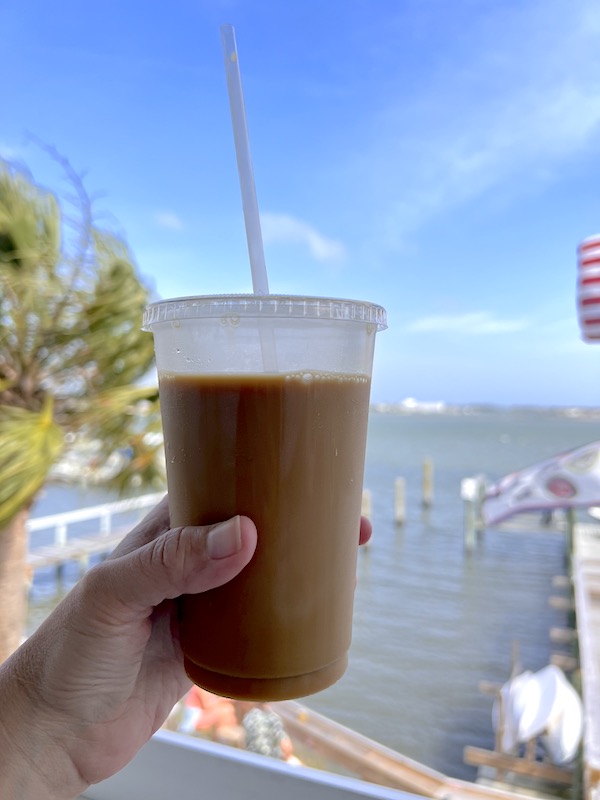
71	304
30	443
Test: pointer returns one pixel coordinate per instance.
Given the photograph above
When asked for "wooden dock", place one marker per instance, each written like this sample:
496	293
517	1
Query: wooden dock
582	598
586	588
376	763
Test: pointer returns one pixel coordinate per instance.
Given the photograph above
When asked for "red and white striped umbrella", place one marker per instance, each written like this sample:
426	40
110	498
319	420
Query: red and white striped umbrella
588	288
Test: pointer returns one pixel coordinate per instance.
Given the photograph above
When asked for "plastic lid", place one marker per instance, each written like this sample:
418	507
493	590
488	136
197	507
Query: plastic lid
272	305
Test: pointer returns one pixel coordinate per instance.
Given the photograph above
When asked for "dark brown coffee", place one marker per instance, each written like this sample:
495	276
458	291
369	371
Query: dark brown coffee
287	451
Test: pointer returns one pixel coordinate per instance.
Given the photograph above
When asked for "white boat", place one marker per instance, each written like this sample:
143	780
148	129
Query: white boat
508	710
563	735
542	704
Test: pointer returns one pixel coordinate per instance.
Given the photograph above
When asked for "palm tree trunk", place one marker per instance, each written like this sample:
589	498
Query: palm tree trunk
13	583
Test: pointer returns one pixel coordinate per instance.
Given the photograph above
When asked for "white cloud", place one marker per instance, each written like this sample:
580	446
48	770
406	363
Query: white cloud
10	153
168	220
291	230
475	323
522	101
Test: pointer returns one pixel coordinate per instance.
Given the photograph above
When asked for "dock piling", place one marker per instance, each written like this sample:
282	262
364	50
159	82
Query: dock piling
472	491
427	483
366	504
400	501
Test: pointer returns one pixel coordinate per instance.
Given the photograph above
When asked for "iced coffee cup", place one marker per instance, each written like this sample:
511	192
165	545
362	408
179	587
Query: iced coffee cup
264	404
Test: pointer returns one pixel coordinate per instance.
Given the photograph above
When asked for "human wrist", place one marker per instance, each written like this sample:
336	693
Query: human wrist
34	759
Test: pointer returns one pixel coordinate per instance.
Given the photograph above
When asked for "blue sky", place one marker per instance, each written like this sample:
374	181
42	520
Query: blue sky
439	158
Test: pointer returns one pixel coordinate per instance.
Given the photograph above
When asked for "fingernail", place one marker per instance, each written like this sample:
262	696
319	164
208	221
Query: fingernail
225	539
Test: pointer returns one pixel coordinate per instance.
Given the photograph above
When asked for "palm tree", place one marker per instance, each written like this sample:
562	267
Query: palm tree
71	359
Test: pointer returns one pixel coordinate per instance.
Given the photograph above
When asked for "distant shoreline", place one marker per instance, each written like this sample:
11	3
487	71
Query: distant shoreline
412	406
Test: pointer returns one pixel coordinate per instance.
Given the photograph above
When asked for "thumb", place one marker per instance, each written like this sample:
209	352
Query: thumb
182	561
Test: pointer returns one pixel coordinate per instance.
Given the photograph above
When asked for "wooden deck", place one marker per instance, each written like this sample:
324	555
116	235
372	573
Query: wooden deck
373	762
583	599
586	587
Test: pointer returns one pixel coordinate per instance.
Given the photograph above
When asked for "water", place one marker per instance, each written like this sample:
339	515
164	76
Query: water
431	622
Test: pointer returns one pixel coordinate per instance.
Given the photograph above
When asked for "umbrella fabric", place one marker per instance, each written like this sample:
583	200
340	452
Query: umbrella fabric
567	480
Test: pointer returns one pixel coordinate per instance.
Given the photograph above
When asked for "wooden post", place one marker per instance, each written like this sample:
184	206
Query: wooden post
366	504
469	511
479	500
60	535
472	491
60	540
400	501
106	522
427	483
499	731
571	519
469	493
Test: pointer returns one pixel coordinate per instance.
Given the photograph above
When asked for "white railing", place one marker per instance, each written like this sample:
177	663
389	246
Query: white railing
172	765
103	513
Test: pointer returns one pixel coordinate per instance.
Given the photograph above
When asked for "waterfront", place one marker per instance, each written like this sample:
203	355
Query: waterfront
430	621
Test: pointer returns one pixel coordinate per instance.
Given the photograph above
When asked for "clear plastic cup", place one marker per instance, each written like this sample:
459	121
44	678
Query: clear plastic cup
265	405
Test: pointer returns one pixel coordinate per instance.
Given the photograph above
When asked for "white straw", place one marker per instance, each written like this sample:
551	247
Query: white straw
260	283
